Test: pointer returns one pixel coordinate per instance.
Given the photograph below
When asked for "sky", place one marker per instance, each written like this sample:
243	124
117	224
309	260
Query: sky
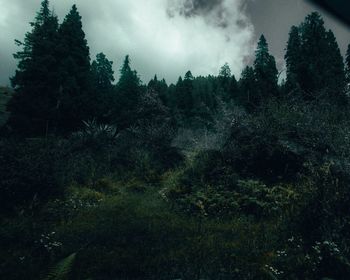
169	37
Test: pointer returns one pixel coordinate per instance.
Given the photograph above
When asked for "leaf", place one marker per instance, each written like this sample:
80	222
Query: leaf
62	269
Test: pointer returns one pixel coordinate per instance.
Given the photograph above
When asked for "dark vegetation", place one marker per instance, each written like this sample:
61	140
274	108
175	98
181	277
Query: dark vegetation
208	178
5	96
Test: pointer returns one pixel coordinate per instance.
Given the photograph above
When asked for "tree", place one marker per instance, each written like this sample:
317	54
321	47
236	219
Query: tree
184	97
227	84
321	69
335	73
247	89
292	58
128	96
103	72
266	74
160	88
103	75
77	99
34	105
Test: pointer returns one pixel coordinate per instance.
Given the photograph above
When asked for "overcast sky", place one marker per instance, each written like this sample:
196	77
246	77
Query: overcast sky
169	37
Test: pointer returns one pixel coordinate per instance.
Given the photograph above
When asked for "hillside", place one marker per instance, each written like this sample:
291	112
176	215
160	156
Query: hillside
211	178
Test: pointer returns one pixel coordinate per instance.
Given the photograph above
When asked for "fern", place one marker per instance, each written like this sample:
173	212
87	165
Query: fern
62	269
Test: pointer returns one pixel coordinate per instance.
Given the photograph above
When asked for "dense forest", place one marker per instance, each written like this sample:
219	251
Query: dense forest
208	178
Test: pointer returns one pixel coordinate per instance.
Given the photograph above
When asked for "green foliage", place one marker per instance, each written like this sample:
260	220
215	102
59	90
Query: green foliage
103	76
31	173
125	103
34	105
314	61
247	85
77	99
265	71
61	270
5	97
293	58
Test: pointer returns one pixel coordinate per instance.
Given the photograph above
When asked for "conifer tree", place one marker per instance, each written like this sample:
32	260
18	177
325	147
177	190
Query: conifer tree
128	96
292	58
102	70
184	97
160	88
33	107
227	83
247	89
265	71
313	52
77	96
335	73
321	68
103	77
225	76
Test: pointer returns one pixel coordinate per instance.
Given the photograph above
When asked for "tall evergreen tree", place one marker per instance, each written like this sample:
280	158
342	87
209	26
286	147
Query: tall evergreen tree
160	87
227	83
225	77
184	95
247	89
265	71
313	47
103	77
335	73
128	96
77	97
102	70
33	107
321	69
292	58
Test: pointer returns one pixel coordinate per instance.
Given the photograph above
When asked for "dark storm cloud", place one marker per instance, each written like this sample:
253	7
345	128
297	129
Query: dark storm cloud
157	43
215	11
190	8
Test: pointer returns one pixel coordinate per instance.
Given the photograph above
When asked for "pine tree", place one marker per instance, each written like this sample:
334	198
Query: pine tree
160	88
247	89
34	105
320	71
265	72
227	84
102	70
334	76
77	96
184	95
292	58
128	96
103	77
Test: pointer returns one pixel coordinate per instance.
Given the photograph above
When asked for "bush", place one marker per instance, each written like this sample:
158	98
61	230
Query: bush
31	173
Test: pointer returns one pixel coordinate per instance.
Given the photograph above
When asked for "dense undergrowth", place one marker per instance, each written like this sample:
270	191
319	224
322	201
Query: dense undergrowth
211	214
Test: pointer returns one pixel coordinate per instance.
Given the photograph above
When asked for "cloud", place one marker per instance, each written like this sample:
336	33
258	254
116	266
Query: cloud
164	37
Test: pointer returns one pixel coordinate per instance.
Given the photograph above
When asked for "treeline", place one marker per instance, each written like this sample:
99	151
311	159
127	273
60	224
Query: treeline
57	87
